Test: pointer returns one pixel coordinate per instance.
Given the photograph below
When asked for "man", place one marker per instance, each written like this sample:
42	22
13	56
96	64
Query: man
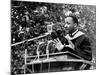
76	42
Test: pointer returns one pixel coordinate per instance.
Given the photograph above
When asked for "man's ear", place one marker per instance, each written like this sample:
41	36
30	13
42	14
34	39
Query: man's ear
75	24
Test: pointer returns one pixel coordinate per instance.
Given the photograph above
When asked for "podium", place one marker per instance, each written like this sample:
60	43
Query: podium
61	61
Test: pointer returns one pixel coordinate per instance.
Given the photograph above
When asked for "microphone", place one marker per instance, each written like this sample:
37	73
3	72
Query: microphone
59	34
54	35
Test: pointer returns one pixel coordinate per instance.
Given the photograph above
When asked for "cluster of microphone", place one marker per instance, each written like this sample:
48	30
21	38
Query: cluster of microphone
59	34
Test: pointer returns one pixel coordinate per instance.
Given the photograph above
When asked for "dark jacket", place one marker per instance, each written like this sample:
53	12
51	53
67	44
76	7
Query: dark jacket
82	46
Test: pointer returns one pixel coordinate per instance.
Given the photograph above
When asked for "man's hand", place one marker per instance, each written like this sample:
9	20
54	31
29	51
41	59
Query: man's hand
59	45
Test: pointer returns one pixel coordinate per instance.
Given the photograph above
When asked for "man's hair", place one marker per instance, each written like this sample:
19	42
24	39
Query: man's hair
75	20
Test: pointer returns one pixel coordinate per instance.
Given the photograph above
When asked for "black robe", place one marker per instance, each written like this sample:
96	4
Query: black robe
82	47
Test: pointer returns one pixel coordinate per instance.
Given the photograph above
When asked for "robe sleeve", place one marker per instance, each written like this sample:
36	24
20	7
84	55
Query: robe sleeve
83	48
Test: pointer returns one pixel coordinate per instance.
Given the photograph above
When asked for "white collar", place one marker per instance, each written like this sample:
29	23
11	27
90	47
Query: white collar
79	33
75	32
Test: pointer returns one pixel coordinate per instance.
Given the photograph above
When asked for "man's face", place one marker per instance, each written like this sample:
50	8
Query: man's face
69	24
